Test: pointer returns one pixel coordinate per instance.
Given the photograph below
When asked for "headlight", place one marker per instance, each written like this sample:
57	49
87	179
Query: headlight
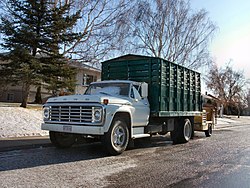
96	115
46	113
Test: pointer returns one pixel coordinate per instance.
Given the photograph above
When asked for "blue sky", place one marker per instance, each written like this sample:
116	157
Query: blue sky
232	40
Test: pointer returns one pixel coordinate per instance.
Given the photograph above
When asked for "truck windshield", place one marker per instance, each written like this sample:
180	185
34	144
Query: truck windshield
108	89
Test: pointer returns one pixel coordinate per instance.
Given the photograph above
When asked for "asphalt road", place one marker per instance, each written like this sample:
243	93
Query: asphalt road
220	161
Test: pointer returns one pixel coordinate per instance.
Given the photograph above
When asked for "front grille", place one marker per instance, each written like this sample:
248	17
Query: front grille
74	114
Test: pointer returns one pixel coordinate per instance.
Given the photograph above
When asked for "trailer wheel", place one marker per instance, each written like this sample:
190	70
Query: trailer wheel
182	133
117	138
209	131
62	140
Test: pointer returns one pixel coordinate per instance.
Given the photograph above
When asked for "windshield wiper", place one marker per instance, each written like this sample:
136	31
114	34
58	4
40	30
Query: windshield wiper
101	92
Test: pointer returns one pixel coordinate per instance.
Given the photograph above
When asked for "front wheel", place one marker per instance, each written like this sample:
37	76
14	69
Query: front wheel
62	140
116	139
209	131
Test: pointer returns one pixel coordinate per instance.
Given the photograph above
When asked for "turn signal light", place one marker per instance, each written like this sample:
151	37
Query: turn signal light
105	101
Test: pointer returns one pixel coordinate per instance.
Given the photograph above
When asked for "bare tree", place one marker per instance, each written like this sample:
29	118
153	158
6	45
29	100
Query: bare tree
98	25
162	28
229	86
248	98
171	30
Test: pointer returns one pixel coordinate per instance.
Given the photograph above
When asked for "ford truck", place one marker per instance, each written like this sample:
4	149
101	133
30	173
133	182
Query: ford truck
138	97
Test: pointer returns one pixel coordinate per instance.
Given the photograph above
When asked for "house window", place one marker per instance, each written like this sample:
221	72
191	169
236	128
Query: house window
87	79
10	97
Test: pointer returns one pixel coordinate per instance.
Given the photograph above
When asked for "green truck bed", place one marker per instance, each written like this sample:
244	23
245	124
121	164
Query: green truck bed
173	89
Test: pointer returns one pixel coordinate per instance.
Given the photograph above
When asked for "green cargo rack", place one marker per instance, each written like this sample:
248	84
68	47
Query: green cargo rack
173	89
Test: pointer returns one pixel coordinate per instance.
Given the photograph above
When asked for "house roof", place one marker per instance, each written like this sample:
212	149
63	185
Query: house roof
215	98
80	65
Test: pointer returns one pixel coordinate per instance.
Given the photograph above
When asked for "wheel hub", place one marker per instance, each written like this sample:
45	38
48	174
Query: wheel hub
187	131
119	136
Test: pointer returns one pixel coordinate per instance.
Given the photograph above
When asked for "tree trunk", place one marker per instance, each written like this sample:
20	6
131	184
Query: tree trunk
3	89
26	91
38	97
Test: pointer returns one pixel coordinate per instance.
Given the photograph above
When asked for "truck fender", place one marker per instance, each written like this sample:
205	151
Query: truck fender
123	111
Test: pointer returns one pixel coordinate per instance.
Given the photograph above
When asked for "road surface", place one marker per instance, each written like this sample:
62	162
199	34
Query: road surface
222	160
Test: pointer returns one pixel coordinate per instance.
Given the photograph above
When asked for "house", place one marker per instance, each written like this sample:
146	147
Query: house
85	75
210	100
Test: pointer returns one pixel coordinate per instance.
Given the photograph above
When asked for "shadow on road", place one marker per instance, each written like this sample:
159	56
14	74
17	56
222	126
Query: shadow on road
28	158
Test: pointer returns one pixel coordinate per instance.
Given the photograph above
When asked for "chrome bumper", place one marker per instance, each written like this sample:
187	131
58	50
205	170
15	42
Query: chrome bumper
88	130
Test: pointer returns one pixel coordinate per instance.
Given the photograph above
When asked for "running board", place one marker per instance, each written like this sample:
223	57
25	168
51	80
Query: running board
140	136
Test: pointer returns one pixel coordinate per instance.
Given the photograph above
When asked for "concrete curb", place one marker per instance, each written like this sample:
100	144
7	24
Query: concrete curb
24	147
18	143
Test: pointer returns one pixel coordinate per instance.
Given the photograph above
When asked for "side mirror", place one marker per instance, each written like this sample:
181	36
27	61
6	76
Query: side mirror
144	90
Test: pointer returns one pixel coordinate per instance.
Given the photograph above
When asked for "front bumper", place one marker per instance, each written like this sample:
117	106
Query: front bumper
87	130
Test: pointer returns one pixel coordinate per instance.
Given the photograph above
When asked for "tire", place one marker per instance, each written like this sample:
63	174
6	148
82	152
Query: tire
182	133
117	138
62	140
209	131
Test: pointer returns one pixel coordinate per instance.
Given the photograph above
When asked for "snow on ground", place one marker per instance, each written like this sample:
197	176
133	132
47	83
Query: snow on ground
229	119
225	121
19	122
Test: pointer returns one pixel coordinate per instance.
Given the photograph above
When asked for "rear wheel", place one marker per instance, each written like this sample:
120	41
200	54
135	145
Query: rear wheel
183	132
62	140
209	131
117	138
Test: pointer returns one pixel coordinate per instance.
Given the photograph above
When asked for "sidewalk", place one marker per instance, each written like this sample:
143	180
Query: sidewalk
13	143
233	120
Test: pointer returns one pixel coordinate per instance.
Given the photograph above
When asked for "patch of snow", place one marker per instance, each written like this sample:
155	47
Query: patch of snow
227	120
224	121
19	122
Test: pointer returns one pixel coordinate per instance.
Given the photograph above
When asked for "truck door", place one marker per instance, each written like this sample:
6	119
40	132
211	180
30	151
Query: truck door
140	108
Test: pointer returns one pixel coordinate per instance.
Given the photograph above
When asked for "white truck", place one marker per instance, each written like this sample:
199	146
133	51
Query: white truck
118	111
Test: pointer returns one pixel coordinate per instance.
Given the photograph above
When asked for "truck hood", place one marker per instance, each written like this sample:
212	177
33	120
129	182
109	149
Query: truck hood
90	98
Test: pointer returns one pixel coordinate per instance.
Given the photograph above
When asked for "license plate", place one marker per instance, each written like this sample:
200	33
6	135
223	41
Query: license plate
67	128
